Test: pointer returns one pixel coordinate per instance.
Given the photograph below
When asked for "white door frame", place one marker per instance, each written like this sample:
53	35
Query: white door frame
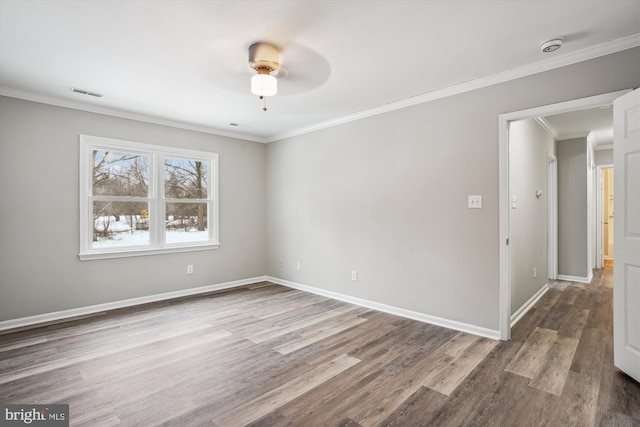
600	214
504	205
552	216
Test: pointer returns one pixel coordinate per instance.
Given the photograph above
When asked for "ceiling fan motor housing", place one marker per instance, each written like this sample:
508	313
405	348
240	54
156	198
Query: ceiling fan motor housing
264	56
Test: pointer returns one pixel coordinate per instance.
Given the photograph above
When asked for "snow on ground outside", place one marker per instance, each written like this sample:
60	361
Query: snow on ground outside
124	236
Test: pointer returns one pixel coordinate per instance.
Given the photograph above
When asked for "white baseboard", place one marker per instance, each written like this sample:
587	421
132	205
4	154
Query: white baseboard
576	278
439	321
515	317
93	309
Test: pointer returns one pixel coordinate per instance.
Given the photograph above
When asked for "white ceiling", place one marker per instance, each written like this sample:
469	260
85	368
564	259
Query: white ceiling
186	61
575	124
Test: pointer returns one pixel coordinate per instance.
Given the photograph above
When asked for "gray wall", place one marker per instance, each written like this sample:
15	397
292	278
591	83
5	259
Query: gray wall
528	148
39	243
572	207
387	195
603	157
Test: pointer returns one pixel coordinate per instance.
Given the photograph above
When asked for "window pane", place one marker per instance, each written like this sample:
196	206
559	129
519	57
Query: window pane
120	224
186	222
120	174
185	179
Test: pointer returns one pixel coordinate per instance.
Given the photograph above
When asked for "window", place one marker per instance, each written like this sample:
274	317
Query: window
141	199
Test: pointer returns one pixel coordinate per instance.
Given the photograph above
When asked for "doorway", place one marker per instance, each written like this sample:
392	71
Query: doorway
505	191
605	217
552	217
608	216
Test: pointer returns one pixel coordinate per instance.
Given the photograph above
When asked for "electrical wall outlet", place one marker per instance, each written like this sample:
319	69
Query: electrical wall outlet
535	273
474	202
298	265
190	269
354	276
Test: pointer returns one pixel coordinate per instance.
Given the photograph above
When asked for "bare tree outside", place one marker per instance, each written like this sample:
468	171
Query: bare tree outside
120	191
186	179
118	174
145	198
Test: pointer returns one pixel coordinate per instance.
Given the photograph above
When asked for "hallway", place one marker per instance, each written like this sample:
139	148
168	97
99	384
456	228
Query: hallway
567	351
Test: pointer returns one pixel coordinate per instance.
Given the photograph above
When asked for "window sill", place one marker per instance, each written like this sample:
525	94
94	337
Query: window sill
90	256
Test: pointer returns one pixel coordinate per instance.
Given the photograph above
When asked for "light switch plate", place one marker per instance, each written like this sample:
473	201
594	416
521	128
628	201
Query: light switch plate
475	202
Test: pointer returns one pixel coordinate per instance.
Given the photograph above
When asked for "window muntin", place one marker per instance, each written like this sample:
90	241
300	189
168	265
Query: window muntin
139	199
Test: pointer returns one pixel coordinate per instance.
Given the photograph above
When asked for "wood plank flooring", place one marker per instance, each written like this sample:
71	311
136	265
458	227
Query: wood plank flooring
266	355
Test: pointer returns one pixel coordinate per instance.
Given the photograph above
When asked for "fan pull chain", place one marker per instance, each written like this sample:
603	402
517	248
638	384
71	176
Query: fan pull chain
264	103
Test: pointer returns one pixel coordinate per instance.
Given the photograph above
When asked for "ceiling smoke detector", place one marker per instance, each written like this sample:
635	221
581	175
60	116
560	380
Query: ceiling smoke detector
551	45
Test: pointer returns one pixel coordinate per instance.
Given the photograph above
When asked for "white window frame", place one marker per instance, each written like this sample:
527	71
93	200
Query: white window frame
156	199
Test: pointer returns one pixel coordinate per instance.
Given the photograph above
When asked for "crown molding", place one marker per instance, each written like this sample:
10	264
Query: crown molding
547	127
555	134
83	106
516	73
571	58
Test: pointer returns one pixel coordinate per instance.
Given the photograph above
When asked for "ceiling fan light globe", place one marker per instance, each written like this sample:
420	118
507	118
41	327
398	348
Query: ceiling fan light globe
264	85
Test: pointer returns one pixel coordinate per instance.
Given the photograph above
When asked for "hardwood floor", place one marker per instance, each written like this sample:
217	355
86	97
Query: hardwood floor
265	355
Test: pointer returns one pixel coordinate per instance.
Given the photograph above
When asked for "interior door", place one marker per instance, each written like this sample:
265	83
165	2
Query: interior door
626	288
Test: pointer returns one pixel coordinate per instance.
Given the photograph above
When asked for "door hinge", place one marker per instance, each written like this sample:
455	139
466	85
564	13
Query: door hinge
507	242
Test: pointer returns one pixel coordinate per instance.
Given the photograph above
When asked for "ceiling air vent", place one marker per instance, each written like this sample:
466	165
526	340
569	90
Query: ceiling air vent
86	92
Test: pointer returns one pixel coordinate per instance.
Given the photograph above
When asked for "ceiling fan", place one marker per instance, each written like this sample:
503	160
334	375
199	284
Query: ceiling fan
284	69
264	58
